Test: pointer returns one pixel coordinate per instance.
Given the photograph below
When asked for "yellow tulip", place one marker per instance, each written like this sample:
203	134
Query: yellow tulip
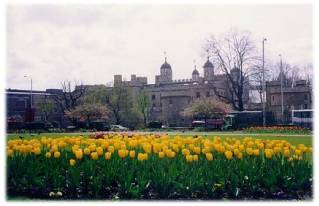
249	151
239	155
221	149
94	156
9	152
37	151
195	158
57	154
92	147
196	150
132	154
241	147
269	153
185	152
309	149
110	149
209	156
189	158
256	152
79	154
122	153
48	154
72	162
87	151
145	156
99	151
142	157
161	155
108	155
228	154
298	152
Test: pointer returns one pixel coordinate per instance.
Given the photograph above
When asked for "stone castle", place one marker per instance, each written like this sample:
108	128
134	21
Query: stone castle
169	97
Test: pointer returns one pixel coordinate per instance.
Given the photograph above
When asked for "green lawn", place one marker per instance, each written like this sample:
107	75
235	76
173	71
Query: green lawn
292	138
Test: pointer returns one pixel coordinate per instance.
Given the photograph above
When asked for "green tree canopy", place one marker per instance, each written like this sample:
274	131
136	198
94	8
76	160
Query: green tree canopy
206	108
89	112
143	104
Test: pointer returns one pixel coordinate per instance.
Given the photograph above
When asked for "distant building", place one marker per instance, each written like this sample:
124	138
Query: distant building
296	95
170	97
19	104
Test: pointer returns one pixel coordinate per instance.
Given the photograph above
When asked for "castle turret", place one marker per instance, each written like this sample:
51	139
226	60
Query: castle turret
117	80
208	70
166	73
195	74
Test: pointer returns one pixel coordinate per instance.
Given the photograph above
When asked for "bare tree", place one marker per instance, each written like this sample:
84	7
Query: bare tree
69	98
291	73
256	77
234	55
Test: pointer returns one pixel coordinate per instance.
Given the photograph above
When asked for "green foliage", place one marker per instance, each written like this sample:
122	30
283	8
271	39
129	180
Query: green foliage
206	108
96	94
46	107
89	112
251	178
143	105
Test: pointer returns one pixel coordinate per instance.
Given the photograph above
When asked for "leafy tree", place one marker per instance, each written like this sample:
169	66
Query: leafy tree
119	102
95	94
46	107
206	108
88	112
143	104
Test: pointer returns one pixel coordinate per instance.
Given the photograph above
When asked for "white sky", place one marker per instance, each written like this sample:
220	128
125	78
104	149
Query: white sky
91	43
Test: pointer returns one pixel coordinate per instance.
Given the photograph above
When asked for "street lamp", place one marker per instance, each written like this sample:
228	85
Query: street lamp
281	89
263	84
30	91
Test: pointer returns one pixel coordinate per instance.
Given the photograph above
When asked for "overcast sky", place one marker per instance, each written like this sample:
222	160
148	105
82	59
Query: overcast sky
91	43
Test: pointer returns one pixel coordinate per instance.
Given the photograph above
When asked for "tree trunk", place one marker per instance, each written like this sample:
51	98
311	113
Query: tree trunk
144	116
88	121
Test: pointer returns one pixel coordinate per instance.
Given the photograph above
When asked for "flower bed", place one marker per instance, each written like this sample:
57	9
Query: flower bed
158	167
278	129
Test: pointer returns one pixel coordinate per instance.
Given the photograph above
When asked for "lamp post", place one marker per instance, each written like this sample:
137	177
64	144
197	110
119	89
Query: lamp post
281	89
263	83
31	100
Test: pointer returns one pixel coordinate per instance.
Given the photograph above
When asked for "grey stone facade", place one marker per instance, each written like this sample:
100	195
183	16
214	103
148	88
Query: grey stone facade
169	97
296	95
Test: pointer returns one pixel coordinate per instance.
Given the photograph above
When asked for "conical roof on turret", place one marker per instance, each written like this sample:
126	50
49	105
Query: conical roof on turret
208	64
195	72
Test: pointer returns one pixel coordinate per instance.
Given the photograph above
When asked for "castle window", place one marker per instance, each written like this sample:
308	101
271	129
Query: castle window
306	96
273	98
153	104
153	96
207	94
306	106
197	94
170	102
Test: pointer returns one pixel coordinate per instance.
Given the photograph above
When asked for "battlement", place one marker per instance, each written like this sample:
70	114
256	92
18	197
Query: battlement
135	80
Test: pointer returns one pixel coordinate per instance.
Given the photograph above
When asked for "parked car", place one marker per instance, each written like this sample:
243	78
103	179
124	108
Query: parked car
117	128
155	125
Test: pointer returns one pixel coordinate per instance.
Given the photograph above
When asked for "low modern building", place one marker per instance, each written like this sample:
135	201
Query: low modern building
19	106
